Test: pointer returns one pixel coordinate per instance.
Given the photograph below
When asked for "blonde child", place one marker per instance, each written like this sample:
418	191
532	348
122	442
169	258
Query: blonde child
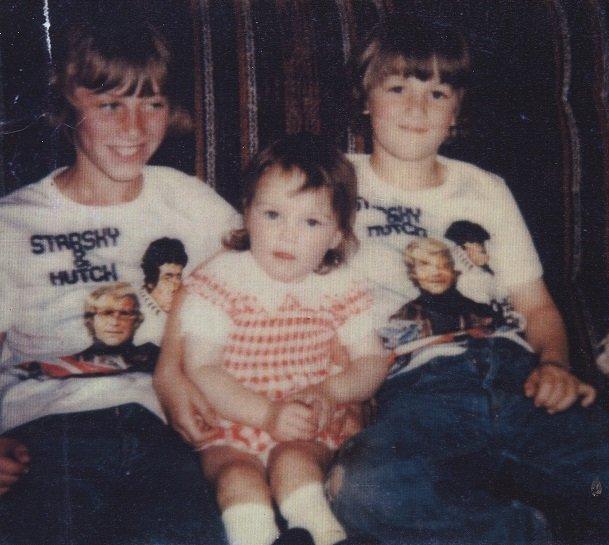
279	337
481	431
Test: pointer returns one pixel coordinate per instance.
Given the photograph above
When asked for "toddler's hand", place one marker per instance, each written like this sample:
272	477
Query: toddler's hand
323	406
290	421
555	389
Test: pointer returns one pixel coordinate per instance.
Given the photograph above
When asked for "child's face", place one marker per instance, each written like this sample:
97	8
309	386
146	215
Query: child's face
290	230
116	134
433	272
411	118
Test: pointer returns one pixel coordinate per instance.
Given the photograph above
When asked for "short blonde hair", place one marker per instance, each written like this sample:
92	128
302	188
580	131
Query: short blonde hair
115	292
429	246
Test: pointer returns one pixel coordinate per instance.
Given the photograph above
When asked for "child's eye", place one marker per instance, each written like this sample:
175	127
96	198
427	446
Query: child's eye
157	105
271	214
109	106
312	222
398	89
438	94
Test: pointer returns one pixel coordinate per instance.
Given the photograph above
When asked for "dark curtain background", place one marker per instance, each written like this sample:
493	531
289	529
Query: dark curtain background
248	70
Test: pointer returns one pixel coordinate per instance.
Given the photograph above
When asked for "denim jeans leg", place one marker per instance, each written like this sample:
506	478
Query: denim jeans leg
63	498
106	477
558	462
164	500
419	474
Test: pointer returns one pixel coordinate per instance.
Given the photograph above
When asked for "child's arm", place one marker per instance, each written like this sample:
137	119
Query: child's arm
551	384
185	406
360	378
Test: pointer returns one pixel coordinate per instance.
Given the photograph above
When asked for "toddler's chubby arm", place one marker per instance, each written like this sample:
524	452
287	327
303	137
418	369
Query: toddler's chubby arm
201	356
361	376
551	385
358	381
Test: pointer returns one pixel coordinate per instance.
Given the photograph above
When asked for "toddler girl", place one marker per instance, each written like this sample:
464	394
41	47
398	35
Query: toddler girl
279	338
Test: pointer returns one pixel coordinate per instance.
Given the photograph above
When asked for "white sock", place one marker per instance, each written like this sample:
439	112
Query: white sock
308	508
250	524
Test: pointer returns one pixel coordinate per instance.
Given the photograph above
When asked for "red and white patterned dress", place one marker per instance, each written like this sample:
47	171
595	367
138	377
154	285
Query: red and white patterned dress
278	338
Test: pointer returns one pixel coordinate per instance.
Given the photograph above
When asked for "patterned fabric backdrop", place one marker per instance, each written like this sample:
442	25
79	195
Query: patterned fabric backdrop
538	113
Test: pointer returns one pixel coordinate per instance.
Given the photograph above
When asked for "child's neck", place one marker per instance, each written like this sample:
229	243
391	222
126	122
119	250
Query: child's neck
92	188
419	174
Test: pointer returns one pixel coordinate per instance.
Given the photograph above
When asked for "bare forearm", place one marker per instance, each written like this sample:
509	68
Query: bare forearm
228	397
359	381
545	332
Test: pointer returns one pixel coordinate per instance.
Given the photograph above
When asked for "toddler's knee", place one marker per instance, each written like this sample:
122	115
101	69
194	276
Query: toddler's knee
288	453
236	478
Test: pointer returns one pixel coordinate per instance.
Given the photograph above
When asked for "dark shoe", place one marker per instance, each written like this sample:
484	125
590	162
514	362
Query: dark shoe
294	536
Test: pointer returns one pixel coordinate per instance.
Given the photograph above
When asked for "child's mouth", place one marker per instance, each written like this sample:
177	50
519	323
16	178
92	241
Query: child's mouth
284	255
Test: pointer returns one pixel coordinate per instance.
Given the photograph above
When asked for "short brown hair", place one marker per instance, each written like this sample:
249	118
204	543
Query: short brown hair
128	56
408	46
323	165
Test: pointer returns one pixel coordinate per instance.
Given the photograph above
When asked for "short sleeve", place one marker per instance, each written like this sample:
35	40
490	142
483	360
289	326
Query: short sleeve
202	206
8	305
515	259
358	331
202	320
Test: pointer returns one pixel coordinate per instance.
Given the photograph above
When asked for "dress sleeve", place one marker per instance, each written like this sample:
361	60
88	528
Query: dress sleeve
359	318
204	321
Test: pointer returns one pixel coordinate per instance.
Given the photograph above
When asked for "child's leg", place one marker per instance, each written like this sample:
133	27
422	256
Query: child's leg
243	495
296	472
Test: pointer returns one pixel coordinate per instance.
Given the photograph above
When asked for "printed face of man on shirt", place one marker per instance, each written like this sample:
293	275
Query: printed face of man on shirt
432	271
114	320
169	282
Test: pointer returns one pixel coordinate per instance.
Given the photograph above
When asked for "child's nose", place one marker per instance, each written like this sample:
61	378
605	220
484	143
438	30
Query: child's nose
133	122
415	102
289	231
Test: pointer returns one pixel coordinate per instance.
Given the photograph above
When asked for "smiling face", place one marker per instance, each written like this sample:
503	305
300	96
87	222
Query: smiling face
290	230
114	320
433	272
117	134
410	118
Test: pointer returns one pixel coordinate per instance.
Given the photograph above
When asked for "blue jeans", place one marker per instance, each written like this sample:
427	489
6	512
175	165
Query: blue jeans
114	476
457	454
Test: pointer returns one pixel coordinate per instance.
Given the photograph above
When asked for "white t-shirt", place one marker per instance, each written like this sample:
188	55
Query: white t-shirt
471	204
57	252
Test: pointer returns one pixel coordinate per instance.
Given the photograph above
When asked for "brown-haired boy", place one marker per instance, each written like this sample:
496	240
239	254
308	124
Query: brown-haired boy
478	433
88	459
